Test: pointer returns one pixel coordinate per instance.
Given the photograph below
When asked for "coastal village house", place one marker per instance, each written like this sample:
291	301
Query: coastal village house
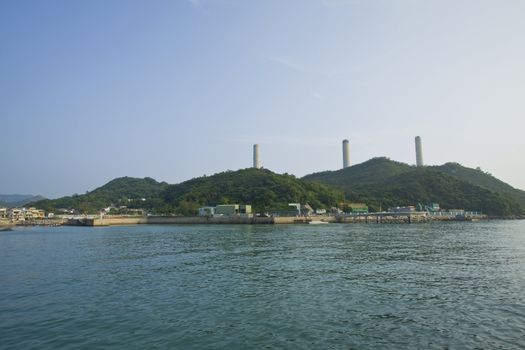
22	214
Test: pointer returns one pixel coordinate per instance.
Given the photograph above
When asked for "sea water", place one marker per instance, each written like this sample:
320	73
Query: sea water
336	286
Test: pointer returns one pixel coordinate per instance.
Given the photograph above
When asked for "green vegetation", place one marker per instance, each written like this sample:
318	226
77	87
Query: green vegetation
123	191
370	172
261	188
482	179
382	182
379	182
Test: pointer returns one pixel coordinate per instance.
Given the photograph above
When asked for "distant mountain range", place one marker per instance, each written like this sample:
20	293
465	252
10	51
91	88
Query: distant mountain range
17	200
378	182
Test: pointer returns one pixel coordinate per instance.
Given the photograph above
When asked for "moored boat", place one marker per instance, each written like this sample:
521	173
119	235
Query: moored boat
6	227
317	222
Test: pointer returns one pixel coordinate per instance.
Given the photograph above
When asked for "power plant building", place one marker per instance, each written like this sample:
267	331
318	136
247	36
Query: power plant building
233	209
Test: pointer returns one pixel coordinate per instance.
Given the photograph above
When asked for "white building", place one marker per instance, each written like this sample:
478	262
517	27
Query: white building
207	211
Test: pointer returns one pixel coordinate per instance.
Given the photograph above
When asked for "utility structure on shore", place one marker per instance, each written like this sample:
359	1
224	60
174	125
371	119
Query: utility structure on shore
419	152
346	154
256	163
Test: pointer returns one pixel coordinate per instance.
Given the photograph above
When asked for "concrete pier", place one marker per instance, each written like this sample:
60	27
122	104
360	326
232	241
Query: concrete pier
377	218
384	218
193	220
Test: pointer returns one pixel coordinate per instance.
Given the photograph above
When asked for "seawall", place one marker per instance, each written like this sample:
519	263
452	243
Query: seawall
193	220
370	218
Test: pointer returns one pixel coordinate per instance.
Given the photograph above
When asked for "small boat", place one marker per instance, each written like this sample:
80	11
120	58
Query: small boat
6	227
317	222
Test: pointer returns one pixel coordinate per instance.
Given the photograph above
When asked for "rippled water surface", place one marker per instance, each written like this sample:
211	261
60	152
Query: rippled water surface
452	285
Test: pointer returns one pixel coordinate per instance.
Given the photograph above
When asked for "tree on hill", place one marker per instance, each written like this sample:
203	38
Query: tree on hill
426	186
261	188
126	191
381	182
482	179
370	172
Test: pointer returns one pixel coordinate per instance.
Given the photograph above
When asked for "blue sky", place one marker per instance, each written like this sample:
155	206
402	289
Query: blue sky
93	90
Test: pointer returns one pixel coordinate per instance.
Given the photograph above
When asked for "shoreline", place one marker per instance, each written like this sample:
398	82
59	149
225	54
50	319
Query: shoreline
372	218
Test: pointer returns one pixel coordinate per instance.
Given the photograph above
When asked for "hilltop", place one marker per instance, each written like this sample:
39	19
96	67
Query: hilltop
372	171
383	182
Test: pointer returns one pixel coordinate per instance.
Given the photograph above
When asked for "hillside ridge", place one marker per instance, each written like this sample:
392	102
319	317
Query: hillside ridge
387	183
378	182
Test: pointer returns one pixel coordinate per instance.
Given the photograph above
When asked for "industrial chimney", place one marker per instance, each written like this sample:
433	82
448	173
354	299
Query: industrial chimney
346	154
256	163
419	152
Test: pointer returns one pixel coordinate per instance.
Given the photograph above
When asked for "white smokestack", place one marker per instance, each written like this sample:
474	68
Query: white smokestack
419	152
256	163
346	154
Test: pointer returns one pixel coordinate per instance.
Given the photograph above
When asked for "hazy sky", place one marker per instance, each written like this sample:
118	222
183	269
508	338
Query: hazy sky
93	90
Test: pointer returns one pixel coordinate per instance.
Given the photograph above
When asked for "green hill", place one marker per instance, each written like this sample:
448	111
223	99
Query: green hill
379	182
372	171
428	185
261	188
126	191
482	179
382	182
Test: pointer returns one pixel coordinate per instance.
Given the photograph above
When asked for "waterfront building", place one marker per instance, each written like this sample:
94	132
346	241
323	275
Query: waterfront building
233	210
431	208
307	210
357	208
408	209
23	214
245	209
227	209
16	214
207	211
297	206
33	213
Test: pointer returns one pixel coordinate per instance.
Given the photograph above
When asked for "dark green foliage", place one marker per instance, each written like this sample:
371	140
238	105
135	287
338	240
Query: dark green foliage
426	186
380	182
126	191
261	188
482	179
370	172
